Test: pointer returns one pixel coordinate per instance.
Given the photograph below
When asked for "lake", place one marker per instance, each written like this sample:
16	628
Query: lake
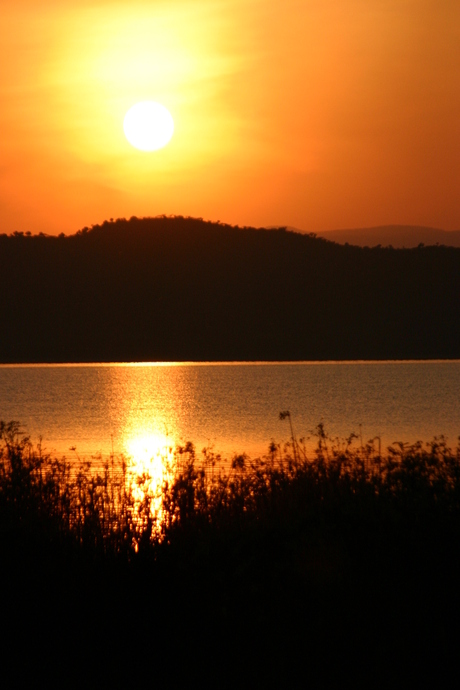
139	409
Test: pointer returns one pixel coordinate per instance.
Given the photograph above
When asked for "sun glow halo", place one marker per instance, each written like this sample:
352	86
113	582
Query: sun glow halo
148	126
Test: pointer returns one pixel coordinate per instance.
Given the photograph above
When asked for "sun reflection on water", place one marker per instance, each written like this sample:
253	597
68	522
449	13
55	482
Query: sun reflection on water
149	464
144	413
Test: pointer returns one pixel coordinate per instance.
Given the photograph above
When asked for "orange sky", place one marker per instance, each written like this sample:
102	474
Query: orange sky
318	114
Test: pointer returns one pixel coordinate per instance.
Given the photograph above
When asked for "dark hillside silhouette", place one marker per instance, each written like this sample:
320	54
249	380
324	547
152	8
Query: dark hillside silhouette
174	288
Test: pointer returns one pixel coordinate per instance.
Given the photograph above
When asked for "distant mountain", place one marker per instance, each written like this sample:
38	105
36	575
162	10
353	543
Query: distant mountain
182	289
397	236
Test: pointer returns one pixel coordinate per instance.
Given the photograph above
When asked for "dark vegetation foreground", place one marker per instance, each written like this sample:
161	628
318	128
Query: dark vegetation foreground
182	289
283	572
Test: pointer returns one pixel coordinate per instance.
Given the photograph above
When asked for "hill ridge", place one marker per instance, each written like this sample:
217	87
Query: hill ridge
184	289
397	235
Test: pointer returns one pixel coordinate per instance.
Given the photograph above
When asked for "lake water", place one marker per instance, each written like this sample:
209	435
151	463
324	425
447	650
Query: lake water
141	408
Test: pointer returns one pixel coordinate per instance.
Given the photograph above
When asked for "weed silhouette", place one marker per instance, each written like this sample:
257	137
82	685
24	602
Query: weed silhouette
281	563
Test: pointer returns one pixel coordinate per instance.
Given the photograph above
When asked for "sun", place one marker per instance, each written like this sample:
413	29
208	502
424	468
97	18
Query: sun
148	126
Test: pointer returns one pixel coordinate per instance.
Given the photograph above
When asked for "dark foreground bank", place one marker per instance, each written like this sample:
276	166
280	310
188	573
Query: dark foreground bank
286	571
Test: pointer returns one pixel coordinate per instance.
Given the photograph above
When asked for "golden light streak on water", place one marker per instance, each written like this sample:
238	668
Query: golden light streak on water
149	465
146	433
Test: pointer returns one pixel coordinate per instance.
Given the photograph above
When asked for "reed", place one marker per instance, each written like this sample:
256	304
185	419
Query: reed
328	548
103	509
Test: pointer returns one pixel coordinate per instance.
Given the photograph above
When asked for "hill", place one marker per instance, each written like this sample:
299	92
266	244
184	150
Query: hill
398	236
174	288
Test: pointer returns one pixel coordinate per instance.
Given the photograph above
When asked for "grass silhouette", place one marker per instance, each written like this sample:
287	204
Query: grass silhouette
291	568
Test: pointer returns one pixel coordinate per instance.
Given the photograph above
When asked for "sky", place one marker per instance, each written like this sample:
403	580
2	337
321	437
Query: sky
316	114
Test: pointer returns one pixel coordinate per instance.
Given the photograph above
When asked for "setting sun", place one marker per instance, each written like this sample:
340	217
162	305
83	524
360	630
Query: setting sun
148	126
284	113
211	211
